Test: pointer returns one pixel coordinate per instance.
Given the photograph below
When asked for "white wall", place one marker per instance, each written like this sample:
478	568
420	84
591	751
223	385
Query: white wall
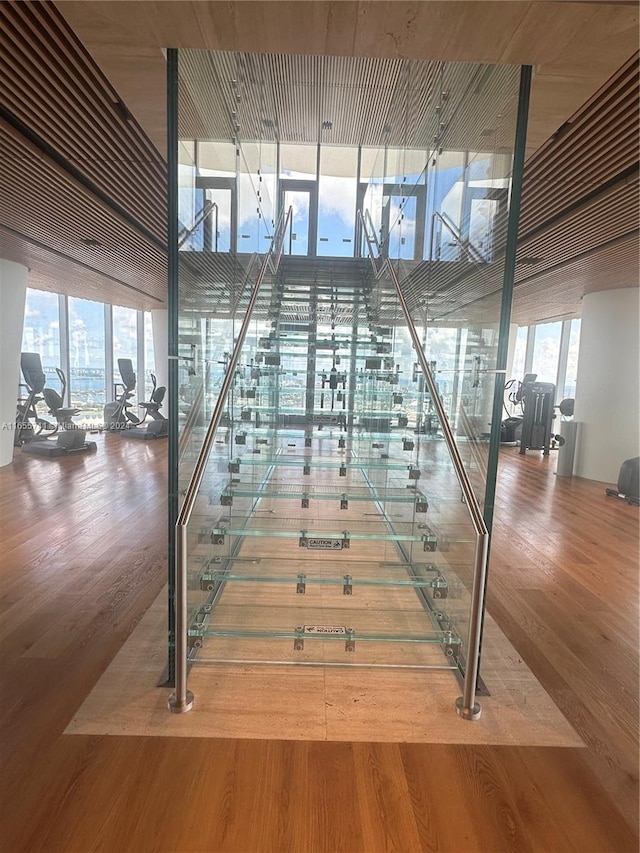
13	290
608	384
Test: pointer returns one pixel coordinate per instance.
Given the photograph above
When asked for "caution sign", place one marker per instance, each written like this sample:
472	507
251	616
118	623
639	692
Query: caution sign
318	544
317	630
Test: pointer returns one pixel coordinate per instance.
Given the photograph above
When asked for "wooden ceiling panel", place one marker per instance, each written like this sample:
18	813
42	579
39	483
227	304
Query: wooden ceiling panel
561	35
120	34
72	223
91	166
57	272
56	92
557	297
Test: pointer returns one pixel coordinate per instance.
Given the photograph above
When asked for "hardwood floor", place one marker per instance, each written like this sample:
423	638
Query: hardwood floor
83	556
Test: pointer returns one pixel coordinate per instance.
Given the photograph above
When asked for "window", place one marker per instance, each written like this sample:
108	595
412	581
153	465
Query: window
41	332
149	355
125	343
87	380
569	389
546	349
337	201
519	353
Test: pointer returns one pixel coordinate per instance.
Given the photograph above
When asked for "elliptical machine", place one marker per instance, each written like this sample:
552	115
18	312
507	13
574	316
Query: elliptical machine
29	424
158	426
118	415
35	438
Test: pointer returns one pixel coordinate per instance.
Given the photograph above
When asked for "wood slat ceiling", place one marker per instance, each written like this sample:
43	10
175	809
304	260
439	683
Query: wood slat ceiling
580	205
50	86
574	46
75	165
368	102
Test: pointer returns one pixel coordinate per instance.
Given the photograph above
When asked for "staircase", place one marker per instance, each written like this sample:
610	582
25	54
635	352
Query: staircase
329	526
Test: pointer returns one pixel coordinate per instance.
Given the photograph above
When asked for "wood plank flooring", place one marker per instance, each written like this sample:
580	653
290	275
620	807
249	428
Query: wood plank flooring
83	556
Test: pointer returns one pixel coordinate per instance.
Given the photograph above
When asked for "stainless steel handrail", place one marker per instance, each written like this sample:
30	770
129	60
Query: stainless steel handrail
474	254
466	705
182	699
200	217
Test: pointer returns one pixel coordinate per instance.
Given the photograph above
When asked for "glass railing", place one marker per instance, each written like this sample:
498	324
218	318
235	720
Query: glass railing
332	474
322	524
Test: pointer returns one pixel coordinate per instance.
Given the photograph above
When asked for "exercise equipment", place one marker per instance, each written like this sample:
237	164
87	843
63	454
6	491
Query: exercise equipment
118	415
628	482
532	429
538	402
37	439
158	426
29	424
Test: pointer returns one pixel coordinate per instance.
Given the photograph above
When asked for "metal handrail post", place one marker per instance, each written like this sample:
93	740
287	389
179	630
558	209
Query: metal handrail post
466	705
182	699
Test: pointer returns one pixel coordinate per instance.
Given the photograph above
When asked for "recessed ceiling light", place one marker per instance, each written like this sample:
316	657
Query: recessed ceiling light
91	241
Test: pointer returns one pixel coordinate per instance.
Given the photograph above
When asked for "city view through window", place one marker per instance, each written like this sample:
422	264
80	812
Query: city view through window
82	355
548	346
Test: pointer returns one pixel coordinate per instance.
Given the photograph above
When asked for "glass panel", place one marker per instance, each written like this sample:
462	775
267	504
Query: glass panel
41	333
546	349
406	166
298	161
216	229
402	237
190	203
255	206
249	223
125	343
572	360
87	379
216	158
337	201
372	175
323	448
300	202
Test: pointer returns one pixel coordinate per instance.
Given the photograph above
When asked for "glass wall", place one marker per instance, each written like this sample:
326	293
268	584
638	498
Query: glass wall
550	350
519	353
149	355
337	193
569	383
